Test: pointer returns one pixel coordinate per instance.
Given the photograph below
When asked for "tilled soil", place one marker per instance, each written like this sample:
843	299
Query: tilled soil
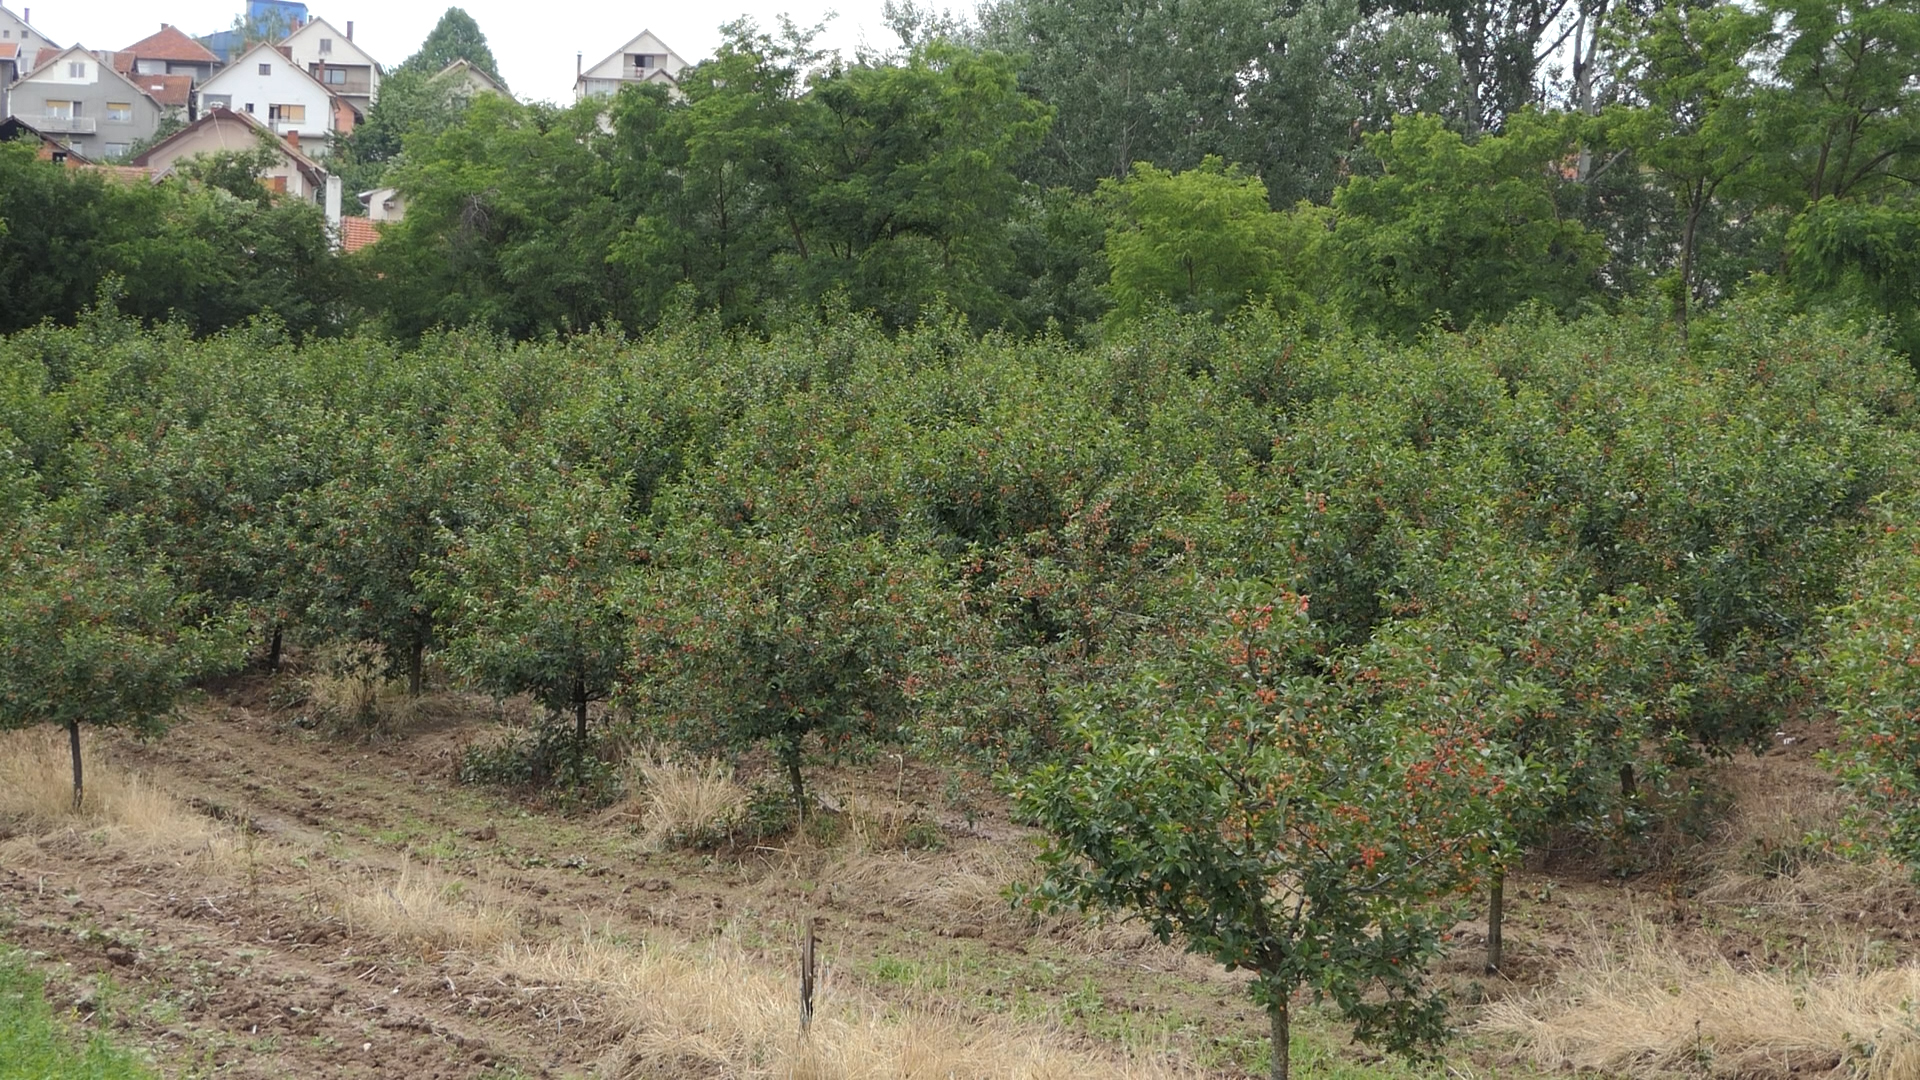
253	971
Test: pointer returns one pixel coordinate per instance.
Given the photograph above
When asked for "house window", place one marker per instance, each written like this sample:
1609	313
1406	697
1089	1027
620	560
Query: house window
217	101
6	33
249	108
119	112
292	114
336	76
117	149
326	46
275	184
266	69
77	69
62	110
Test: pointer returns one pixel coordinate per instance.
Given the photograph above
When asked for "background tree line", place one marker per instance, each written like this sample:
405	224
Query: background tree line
1383	167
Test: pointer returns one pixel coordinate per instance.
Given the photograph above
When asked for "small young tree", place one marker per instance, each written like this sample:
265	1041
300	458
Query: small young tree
1316	829
530	599
92	635
775	638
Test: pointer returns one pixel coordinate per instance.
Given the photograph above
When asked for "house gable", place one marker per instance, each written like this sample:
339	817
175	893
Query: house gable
28	42
645	59
304	44
80	99
277	92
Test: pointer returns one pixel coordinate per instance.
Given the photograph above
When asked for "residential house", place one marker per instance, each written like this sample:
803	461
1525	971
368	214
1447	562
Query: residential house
168	52
173	93
218	130
336	63
645	59
9	71
51	149
20	46
16	30
269	86
87	105
471	79
384	204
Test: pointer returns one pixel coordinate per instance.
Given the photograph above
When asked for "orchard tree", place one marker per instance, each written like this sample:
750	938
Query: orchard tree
93	634
1309	822
1869	668
530	600
781	636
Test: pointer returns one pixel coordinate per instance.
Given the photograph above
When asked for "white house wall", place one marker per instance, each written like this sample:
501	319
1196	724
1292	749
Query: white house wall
241	87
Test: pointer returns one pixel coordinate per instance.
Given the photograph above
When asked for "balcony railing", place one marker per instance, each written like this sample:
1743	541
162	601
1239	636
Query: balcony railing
66	125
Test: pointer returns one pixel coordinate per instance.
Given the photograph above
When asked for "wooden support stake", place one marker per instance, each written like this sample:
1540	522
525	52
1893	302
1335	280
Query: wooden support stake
806	976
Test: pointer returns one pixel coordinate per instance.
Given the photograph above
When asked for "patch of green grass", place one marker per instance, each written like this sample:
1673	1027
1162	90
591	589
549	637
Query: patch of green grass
33	1046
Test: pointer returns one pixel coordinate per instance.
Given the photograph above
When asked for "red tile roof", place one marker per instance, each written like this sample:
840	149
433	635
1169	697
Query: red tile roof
171	44
356	233
171	91
8	50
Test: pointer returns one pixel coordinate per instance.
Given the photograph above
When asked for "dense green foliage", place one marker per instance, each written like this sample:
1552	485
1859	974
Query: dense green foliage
1307	517
1565	559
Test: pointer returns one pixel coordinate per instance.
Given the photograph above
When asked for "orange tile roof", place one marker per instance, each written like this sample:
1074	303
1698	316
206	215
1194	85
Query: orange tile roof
9	49
171	44
356	233
172	91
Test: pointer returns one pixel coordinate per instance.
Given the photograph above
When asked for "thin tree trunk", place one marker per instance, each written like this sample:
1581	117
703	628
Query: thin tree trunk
73	743
1628	786
1496	919
1282	1038
790	756
1686	262
580	709
273	652
416	663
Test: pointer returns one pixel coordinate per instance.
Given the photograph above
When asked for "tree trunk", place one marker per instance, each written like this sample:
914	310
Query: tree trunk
1628	786
273	652
1686	263
580	709
790	757
73	743
1282	1039
416	662
1496	919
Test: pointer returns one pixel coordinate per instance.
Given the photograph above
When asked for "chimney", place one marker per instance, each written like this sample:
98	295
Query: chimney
579	64
349	29
293	139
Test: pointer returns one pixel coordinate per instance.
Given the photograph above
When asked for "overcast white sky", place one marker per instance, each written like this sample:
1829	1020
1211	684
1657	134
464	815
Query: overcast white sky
534	41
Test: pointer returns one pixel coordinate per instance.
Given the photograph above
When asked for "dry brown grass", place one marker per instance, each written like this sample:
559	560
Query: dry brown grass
421	909
716	1010
682	803
1642	1007
36	793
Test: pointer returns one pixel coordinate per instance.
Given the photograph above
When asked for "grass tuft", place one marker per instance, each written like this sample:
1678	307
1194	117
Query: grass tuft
1641	1007
685	805
422	909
